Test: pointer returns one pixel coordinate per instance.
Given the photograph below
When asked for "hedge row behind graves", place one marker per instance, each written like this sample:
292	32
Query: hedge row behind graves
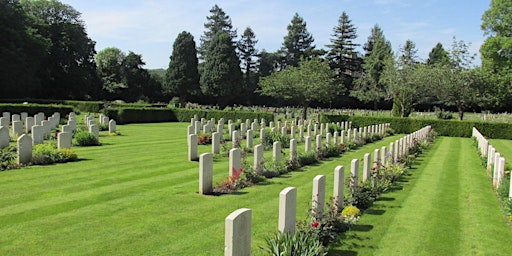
451	128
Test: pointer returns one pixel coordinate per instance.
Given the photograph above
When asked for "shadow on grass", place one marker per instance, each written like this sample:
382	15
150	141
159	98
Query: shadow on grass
361	228
383	198
374	212
342	253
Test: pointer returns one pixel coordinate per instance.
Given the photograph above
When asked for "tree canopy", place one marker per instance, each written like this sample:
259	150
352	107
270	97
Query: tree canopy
182	77
298	43
311	81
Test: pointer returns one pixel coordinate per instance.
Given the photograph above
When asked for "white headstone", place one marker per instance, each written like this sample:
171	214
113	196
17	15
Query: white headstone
29	122
258	157
339	177
287	210
4	137
64	139
216	142
24	149
277	151
237	240
112	126
318	195
95	129
235	158
205	173
37	134
17	128
192	147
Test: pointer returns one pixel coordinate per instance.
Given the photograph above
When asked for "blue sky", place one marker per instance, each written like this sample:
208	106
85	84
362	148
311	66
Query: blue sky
150	27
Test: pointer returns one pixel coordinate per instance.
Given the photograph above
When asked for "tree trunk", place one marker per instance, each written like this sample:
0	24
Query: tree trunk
305	111
461	113
374	105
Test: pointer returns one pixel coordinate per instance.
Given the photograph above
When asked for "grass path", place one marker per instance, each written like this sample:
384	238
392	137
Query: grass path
137	195
446	207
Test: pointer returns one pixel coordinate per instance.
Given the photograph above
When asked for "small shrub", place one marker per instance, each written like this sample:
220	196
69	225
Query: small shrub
350	214
8	158
326	226
272	137
299	243
103	127
307	158
43	154
204	139
273	169
232	183
85	138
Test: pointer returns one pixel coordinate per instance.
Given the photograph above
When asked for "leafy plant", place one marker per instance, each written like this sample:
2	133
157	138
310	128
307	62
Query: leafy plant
204	139
85	138
299	243
307	158
232	183
8	158
43	154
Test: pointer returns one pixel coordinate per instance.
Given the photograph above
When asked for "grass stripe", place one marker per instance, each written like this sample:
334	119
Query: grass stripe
446	207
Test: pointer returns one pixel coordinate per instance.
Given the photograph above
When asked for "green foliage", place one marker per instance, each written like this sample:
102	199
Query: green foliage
298	43
86	106
271	137
342	51
308	158
43	154
32	109
311	81
182	77
66	69
152	115
452	128
327	226
232	183
299	243
8	158
369	88
85	138
221	76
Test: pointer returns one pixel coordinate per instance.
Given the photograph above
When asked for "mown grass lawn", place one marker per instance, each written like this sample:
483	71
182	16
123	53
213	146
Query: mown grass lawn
445	207
137	195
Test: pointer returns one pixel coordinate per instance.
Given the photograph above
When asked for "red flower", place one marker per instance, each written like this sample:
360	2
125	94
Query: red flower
315	224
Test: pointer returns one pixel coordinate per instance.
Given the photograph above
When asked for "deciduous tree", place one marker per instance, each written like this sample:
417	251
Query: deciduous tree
311	81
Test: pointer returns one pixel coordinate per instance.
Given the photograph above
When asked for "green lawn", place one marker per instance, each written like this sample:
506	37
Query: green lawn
136	195
445	207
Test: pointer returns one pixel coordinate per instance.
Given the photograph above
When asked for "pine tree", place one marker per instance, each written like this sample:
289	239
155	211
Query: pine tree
248	60
298	43
368	87
342	56
438	56
218	22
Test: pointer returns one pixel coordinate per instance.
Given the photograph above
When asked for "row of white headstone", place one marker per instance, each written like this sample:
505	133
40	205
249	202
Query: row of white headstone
300	126
41	129
495	161
237	240
237	136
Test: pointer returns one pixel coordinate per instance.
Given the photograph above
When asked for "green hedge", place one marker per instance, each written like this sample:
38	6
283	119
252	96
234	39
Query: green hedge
86	106
452	128
33	109
153	115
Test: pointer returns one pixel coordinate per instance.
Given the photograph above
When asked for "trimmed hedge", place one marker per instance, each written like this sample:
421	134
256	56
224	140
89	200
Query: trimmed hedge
33	109
86	106
452	128
154	115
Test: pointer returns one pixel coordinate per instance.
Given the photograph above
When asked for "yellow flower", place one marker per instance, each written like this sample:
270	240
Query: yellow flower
350	211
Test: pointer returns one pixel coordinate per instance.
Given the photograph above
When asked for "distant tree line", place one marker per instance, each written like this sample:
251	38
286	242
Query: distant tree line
45	53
